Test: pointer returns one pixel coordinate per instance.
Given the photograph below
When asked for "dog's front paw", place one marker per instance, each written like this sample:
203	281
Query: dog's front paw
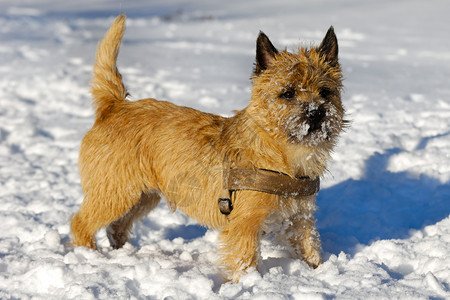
313	258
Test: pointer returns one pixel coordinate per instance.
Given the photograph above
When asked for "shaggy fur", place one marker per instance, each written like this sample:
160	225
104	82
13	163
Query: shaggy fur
138	152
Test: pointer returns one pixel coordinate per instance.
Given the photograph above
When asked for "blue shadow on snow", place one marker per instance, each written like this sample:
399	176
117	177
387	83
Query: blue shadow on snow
380	205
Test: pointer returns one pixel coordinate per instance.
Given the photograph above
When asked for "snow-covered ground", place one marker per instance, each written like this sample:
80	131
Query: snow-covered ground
384	206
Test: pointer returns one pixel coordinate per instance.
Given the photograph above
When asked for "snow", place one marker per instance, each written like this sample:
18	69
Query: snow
384	207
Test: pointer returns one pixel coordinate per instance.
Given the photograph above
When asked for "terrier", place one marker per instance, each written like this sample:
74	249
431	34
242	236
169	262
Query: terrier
246	175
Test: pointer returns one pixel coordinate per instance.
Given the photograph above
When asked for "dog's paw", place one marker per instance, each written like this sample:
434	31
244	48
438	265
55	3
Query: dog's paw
313	259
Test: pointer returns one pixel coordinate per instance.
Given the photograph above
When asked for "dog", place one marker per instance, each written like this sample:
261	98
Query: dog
239	175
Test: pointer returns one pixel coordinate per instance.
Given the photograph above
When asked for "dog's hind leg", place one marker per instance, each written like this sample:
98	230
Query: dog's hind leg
119	230
100	207
83	229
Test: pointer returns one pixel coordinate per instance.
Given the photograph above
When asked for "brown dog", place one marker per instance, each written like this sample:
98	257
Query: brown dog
138	152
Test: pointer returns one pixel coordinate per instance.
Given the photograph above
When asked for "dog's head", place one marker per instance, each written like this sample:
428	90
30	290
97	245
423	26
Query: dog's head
297	96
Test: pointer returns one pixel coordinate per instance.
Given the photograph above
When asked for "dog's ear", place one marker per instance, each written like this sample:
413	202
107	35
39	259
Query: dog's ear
329	47
265	52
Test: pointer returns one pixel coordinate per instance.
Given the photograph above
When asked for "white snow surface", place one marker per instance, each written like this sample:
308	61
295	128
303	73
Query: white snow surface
383	208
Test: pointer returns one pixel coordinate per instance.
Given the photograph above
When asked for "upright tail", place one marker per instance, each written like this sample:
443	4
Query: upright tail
106	86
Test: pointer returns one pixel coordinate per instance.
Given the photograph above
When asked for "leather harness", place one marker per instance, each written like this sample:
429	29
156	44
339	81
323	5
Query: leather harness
266	181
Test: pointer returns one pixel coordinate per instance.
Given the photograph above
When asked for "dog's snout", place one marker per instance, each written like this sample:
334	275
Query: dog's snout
316	115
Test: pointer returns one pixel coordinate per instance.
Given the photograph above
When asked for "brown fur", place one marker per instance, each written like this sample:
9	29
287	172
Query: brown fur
137	152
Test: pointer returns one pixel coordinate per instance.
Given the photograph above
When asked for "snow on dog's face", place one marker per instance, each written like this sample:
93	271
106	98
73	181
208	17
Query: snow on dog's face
300	92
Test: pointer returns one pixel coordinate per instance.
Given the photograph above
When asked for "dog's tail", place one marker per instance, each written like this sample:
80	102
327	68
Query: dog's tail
106	86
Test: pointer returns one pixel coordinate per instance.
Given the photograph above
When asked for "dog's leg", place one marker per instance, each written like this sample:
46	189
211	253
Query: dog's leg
118	230
301	236
99	211
83	230
241	236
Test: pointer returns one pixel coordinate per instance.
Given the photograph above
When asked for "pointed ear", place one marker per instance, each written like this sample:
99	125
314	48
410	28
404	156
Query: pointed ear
265	52
329	47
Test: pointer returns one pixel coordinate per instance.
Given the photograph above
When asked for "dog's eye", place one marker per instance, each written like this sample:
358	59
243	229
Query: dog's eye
325	92
288	95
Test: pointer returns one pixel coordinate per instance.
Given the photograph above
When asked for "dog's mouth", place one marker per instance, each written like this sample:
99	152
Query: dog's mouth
315	124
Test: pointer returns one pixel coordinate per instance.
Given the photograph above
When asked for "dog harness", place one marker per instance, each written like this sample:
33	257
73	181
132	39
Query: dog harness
266	181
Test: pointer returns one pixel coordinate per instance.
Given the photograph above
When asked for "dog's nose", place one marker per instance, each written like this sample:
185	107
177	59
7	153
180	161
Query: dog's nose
316	115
